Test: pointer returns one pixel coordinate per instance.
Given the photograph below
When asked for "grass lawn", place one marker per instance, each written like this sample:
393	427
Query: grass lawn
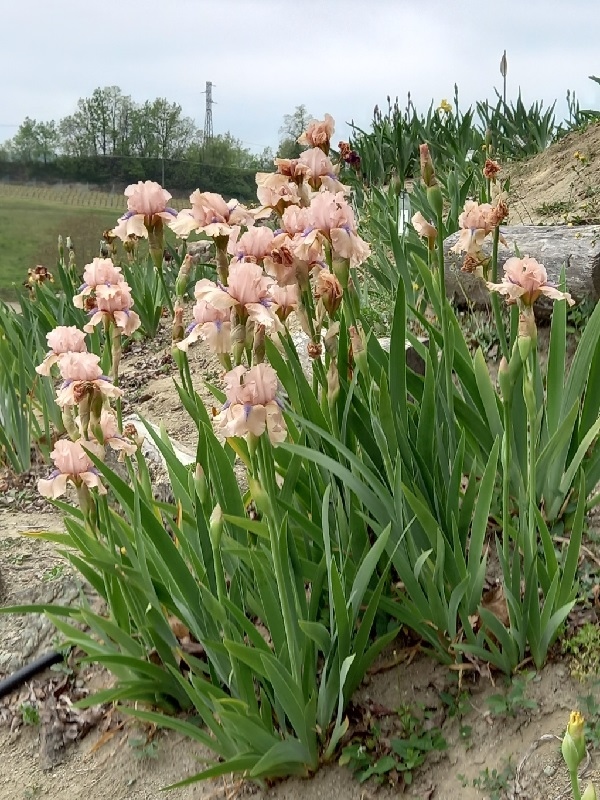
29	230
31	218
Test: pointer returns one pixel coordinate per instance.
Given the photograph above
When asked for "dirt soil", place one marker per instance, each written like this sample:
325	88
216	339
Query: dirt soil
100	755
560	185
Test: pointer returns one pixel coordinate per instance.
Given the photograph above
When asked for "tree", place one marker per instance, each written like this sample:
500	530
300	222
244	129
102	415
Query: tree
48	140
293	125
101	125
35	141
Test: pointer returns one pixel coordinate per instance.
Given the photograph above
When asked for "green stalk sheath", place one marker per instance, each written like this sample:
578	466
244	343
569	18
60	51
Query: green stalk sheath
274	525
319	377
445	326
219	573
166	294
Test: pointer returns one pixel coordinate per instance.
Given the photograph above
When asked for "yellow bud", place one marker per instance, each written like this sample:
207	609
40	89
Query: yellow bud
575	730
216	526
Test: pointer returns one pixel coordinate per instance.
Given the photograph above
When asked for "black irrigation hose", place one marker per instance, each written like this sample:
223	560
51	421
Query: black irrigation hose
29	670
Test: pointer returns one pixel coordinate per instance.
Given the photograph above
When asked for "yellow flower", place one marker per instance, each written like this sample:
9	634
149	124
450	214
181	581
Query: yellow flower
445	107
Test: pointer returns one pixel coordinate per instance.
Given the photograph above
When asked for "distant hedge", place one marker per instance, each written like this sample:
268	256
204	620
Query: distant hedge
181	177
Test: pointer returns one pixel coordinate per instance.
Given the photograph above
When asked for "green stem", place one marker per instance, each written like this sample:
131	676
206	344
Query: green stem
506	448
496	300
575	784
531	444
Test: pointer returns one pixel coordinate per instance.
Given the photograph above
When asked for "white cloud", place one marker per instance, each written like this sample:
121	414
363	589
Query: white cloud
267	56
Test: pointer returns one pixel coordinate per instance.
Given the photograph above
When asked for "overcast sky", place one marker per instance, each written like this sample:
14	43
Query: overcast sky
265	57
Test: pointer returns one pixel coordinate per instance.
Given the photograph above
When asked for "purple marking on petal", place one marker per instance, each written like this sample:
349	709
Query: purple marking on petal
190	328
278	231
265	301
308	230
105	378
128	215
83	286
54	474
247	409
92	312
172	211
218	324
226	404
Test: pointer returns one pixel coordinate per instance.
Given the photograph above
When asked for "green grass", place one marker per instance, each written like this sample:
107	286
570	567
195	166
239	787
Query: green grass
31	218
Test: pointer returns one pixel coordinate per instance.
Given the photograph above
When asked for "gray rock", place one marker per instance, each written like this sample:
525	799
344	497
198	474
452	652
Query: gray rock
577	249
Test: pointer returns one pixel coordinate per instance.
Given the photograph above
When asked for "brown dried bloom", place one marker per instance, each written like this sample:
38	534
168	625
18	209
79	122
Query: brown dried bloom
491	169
38	274
348	155
471	263
108	237
314	349
329	290
498	214
81	390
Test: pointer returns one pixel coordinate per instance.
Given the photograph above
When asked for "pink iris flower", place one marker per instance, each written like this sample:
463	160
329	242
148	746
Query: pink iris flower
115	307
81	373
63	339
146	206
525	279
251	406
72	465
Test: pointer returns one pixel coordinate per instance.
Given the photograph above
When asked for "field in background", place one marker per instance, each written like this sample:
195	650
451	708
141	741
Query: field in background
32	217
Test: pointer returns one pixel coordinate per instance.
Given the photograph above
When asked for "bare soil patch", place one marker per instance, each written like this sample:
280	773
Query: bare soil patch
560	185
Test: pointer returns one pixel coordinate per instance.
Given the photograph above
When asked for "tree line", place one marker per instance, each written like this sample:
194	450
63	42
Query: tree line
110	123
110	139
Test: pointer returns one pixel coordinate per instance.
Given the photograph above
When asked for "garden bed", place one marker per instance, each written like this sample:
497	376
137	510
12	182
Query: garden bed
485	741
